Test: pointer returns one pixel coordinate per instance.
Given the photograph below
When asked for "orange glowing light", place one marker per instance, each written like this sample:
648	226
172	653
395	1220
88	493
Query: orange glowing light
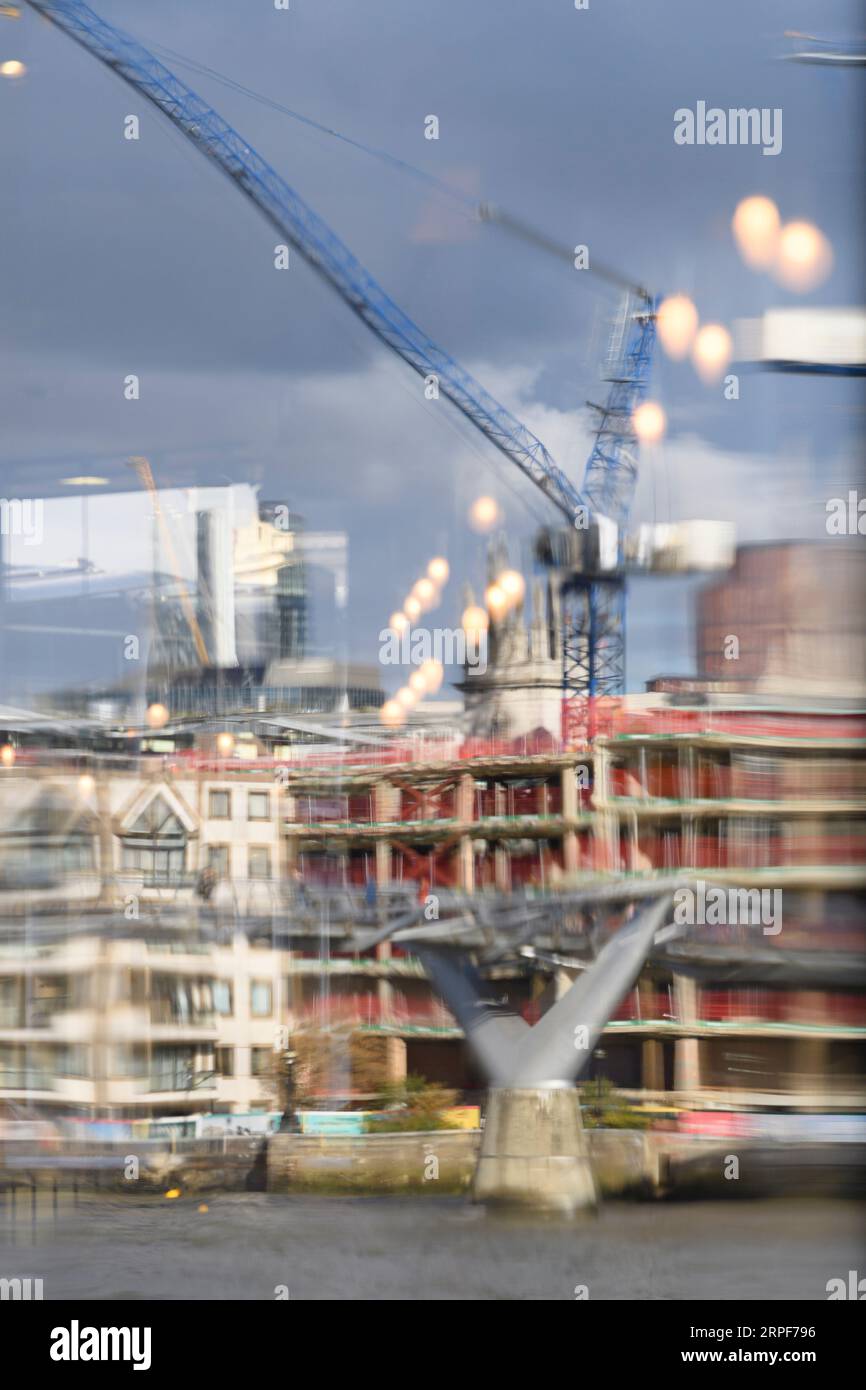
484	514
474	620
677	324
513	585
755	225
438	570
805	257
156	716
496	601
433	672
426	593
392	714
712	351
650	422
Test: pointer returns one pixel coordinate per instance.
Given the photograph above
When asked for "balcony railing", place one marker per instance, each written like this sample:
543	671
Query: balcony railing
182	1081
27	1079
162	1011
368	1010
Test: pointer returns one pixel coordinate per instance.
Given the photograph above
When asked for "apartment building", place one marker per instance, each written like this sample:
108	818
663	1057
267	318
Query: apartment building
138	829
105	1024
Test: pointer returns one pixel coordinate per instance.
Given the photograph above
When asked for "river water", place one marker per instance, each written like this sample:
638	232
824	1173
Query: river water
248	1246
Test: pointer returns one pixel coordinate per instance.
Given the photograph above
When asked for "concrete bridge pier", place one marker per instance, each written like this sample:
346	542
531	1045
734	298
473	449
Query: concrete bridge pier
534	1152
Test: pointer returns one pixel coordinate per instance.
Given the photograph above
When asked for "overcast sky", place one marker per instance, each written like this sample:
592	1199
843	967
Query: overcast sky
137	257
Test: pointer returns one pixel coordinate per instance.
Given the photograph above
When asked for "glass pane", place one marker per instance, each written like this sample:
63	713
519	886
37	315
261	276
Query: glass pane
260	997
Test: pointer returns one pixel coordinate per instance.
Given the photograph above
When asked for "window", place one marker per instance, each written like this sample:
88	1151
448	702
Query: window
73	1060
218	860
27	1068
261	1000
258	806
225	1061
220	805
172	1068
181	1069
155	845
222	998
176	999
128	1060
54	837
49	995
260	1061
11	1003
259	861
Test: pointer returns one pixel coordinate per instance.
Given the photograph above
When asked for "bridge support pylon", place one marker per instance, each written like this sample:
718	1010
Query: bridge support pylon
534	1152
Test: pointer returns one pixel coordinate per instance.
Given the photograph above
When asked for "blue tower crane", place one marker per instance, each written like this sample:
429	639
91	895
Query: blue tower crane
593	601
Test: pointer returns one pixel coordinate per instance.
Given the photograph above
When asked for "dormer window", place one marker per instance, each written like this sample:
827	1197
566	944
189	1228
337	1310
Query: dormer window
155	844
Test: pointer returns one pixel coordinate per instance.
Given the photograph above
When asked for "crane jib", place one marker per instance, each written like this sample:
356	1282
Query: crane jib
315	241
